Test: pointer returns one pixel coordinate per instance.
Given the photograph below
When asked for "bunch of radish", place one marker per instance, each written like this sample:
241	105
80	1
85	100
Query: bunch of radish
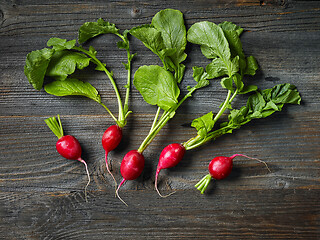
167	37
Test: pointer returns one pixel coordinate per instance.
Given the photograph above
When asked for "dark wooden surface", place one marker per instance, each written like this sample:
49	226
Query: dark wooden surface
41	194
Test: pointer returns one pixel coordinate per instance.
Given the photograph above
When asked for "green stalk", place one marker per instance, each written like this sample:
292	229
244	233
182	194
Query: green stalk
198	141
162	122
233	96
129	57
223	108
154	131
126	102
203	183
121	119
55	126
155	119
108	110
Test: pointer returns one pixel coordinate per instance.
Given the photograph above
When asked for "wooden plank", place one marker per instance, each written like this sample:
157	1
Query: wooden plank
283	214
42	194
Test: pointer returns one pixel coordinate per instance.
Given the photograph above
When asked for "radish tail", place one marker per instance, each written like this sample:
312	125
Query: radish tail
85	189
122	182
107	166
257	159
156	186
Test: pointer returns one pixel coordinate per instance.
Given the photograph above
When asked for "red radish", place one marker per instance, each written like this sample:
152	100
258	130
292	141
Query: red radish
219	168
110	140
67	146
131	167
170	156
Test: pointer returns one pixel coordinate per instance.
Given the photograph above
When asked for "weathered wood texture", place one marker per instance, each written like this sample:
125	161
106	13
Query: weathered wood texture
42	194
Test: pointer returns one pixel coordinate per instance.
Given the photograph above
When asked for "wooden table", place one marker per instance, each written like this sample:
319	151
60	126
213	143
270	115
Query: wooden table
41	194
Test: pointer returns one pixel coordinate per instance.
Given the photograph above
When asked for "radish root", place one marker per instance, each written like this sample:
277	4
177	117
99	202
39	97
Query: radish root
257	159
156	187
85	189
117	192
107	166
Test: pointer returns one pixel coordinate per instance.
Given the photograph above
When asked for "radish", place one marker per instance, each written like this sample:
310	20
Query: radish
131	167
170	156
220	168
110	140
67	146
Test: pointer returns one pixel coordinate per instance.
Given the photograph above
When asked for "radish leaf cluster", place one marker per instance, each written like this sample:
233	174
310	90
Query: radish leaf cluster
65	57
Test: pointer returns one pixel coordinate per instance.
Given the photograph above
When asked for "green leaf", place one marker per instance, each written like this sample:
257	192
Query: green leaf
264	103
92	29
72	86
256	103
211	36
179	73
92	51
173	31
237	117
122	45
216	68
214	45
229	26
166	37
201	77
64	63
150	37
157	86
237	79
59	44
171	25
247	89
203	124
283	93
271	106
234	43
36	66
227	83
207	52
234	65
232	32
197	73
126	66
251	66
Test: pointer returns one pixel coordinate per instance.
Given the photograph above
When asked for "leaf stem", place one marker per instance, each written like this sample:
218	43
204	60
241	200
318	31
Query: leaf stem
203	183
129	56
121	120
128	67
55	126
223	108
233	96
154	131
108	110
198	141
166	116
155	119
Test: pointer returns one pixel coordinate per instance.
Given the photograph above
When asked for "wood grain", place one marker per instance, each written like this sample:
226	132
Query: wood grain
42	194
